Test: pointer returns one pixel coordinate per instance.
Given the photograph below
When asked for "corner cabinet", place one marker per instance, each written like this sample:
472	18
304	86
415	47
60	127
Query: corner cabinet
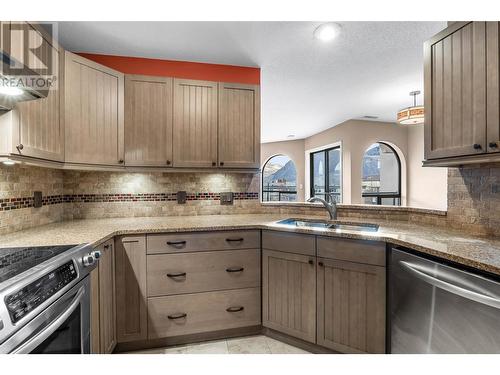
34	128
461	79
239	126
148	121
93	112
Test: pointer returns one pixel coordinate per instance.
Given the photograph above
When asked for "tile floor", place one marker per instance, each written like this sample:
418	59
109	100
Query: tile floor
241	345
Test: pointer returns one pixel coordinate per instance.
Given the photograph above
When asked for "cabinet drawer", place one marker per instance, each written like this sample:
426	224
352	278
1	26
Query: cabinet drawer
202	272
189	242
289	242
368	252
203	312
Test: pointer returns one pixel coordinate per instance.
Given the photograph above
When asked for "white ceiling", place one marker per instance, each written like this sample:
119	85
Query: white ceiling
307	85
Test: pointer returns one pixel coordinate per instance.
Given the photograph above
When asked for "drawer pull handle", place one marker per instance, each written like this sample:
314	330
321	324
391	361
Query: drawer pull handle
178	274
177	316
234	269
234	239
176	243
235	309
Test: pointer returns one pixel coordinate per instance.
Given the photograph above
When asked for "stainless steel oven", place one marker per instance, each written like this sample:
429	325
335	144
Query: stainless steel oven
62	328
46	310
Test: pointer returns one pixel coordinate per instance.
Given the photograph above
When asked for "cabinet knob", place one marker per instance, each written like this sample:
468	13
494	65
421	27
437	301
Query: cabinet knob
221	163
320	264
169	162
477	146
120	161
19	147
214	164
493	145
311	262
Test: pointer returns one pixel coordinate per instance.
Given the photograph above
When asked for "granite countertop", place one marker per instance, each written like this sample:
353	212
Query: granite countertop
482	253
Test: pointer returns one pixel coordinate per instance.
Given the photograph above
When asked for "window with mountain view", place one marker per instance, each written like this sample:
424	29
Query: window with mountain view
326	174
381	183
279	180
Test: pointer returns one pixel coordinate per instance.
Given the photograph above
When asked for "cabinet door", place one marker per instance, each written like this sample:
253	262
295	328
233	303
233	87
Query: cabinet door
289	294
95	336
455	91
351	306
148	121
493	86
195	123
239	126
131	305
38	131
93	111
107	300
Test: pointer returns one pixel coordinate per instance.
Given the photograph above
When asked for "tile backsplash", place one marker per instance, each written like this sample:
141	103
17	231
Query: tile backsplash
84	194
474	198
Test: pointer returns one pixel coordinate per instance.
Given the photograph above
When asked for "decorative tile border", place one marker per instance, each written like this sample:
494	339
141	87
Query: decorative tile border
8	204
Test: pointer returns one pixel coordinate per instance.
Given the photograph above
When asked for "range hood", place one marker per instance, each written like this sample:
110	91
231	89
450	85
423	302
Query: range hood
25	89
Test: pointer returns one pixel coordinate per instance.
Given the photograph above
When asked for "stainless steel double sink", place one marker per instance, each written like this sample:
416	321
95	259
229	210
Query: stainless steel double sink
324	224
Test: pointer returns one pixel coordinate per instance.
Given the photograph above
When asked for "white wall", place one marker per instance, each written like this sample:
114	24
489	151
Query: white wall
427	186
421	187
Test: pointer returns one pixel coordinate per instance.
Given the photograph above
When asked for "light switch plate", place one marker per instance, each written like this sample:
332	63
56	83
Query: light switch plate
226	198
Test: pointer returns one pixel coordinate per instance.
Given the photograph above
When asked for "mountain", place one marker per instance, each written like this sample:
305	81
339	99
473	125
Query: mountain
286	173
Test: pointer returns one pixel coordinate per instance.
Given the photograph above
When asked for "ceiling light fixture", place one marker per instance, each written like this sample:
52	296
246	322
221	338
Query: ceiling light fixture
290	136
412	115
9	162
10	91
326	32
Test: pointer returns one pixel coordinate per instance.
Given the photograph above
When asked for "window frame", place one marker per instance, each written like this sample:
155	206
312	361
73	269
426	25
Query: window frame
327	171
277	191
381	195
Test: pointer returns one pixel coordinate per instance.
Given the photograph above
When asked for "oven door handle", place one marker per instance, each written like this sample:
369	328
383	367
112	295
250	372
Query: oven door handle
31	344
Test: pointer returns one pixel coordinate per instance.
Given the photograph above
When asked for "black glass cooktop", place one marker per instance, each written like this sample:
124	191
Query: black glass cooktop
14	261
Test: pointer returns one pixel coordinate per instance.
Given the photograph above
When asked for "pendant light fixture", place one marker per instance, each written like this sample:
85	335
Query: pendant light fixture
412	115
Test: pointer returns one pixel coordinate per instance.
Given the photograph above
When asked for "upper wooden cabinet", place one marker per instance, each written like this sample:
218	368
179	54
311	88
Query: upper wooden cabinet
195	123
148	121
461	72
34	128
93	112
493	86
239	126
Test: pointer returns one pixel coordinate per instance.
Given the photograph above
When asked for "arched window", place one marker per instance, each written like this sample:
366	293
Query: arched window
279	180
381	175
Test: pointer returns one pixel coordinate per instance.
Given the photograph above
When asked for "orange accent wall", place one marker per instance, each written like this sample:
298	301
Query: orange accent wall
178	69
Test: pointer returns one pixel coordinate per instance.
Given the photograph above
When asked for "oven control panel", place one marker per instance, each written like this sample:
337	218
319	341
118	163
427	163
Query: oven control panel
33	295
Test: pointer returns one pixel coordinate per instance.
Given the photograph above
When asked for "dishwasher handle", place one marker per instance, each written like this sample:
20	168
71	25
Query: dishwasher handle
418	272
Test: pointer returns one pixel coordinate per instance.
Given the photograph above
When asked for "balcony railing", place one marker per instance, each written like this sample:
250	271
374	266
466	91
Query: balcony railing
282	193
379	198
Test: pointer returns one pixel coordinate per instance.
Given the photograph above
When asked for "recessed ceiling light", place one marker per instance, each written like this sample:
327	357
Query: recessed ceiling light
370	117
11	91
327	31
290	136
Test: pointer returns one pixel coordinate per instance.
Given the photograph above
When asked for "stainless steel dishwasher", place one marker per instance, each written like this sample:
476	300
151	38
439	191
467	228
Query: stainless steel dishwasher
436	308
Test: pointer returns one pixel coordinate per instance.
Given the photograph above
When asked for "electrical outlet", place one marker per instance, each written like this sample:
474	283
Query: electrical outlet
37	199
226	198
181	197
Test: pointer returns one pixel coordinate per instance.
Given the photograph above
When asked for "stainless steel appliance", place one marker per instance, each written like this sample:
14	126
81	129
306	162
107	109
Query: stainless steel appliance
437	308
45	299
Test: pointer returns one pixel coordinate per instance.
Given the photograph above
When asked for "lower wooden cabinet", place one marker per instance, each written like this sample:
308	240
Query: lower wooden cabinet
289	294
185	314
103	301
351	306
131	303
